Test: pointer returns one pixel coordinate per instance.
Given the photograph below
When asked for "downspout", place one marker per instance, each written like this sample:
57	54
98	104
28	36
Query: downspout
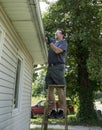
37	20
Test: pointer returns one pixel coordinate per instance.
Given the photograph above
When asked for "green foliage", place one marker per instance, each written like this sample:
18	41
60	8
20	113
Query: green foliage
38	87
85	36
72	119
81	21
95	67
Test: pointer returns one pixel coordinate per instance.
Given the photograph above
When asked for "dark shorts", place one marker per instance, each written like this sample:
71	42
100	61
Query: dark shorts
55	75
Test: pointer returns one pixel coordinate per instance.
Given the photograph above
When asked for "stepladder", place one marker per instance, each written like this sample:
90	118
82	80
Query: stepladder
47	109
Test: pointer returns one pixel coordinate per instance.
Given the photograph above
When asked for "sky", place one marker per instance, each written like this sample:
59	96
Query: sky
44	6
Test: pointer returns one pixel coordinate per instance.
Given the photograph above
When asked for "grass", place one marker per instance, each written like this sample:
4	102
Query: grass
72	120
38	120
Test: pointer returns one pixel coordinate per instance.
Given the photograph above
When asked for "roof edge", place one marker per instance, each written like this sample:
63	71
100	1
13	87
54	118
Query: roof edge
36	13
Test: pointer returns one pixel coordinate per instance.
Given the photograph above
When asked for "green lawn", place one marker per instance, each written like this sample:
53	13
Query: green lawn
38	120
72	120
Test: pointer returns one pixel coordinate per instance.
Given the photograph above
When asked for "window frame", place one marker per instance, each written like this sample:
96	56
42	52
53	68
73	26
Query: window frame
15	111
1	39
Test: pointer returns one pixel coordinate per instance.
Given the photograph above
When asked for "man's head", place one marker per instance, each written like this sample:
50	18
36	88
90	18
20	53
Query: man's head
59	34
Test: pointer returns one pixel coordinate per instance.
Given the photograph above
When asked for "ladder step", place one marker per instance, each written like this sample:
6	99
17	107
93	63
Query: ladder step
57	86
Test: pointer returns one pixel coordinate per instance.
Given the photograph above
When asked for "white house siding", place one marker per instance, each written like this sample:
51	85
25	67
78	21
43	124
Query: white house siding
10	48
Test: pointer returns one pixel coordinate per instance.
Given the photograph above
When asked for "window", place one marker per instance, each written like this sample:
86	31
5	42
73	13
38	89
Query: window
17	93
17	85
1	39
0	35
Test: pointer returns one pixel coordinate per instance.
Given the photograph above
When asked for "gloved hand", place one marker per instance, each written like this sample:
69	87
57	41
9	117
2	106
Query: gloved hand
49	39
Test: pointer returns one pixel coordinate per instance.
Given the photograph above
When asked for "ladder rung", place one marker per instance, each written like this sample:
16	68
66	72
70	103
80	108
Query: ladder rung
57	86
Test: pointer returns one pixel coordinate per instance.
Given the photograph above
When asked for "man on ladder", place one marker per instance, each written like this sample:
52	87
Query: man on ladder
55	72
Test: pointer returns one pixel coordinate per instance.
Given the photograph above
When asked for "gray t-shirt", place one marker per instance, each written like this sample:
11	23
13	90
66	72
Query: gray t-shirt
54	58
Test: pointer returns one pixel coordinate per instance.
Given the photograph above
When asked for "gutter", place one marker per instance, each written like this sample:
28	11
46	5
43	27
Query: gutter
37	20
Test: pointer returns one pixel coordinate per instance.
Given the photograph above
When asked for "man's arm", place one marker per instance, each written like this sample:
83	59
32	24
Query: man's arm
57	50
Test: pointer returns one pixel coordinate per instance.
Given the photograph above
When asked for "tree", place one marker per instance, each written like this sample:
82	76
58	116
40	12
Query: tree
85	37
81	21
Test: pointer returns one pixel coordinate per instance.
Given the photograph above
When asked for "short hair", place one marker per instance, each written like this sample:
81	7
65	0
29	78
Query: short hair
62	31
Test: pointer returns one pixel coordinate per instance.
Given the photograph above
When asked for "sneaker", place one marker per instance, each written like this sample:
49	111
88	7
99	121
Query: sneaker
53	114
60	114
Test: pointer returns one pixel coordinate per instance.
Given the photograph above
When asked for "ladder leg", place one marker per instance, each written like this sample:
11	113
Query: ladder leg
45	117
65	111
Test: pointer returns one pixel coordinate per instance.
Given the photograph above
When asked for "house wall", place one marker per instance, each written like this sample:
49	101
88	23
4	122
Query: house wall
12	48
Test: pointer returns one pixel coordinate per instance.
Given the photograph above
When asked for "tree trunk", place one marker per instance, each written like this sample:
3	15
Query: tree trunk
86	92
